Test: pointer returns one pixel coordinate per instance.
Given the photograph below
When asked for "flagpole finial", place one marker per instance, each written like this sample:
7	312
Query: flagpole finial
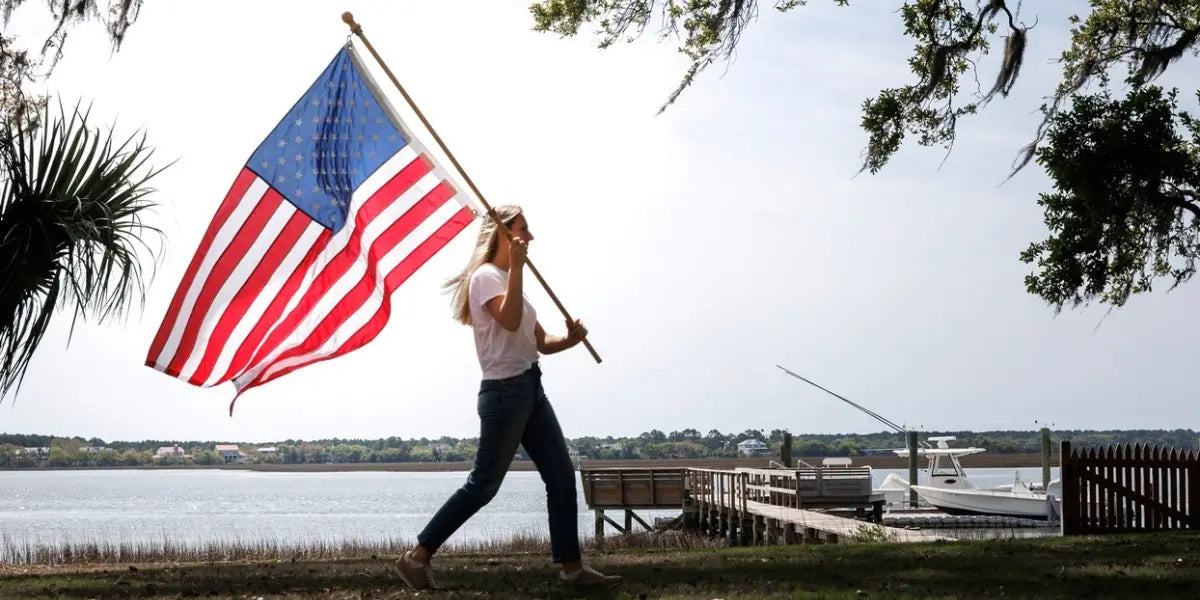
349	20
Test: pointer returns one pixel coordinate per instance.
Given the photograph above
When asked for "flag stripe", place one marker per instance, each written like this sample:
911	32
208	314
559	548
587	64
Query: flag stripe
381	302
277	308
241	262
232	197
232	254
335	276
221	241
255	289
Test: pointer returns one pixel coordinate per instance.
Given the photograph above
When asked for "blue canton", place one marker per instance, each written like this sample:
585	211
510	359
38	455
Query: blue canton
334	137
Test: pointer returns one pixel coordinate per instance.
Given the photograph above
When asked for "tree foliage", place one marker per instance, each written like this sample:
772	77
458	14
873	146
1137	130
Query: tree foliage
71	196
958	45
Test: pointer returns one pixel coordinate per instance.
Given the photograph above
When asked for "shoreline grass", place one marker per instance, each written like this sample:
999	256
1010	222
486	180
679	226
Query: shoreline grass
22	553
1127	566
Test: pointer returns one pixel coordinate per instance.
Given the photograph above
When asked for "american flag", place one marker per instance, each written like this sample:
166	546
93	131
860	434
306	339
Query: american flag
335	209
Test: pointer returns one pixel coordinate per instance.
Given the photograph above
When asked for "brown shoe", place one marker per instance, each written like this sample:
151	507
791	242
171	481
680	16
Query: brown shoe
417	575
588	577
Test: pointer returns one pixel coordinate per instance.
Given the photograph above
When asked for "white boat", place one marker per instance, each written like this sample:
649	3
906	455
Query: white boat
950	490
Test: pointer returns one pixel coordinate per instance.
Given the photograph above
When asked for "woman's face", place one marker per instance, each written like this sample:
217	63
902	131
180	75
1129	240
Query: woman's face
520	229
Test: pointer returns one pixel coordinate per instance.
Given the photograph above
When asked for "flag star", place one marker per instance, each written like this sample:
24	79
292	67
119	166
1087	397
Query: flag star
299	193
375	137
379	121
357	155
316	120
316	206
316	101
366	103
314	172
299	122
299	139
362	120
280	179
392	138
299	157
370	155
282	143
266	165
333	203
299	175
339	102
360	137
315	137
354	86
314	154
343	170
282	160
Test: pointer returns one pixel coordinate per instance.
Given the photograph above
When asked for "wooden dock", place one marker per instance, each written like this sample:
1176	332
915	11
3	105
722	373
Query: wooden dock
747	506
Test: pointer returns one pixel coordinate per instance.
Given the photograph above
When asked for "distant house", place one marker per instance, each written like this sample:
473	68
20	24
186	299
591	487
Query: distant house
38	452
268	450
752	447
231	453
169	451
92	449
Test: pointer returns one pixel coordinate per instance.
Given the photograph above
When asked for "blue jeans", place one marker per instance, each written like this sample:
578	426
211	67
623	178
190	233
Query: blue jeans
515	411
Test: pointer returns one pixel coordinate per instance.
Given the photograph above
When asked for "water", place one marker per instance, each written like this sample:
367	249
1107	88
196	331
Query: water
196	507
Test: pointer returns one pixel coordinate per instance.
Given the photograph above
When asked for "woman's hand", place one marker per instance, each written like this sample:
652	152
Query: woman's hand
516	253
575	332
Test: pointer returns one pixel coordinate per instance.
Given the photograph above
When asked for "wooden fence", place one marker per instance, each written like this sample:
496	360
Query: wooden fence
1121	489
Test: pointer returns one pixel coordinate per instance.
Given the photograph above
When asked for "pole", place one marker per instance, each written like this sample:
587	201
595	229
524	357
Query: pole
1045	458
912	468
356	29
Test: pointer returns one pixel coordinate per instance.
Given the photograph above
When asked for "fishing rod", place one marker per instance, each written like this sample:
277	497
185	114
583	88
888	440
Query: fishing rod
877	417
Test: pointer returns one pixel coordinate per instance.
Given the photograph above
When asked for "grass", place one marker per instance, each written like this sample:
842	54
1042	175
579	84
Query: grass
1134	566
94	553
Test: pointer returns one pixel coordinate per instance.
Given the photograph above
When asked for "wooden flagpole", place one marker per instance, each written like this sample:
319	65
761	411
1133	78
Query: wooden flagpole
356	29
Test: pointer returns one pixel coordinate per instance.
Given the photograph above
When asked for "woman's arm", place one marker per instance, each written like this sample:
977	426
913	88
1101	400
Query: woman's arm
509	308
549	344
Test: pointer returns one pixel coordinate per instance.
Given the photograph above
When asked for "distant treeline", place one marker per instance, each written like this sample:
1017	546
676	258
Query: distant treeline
32	451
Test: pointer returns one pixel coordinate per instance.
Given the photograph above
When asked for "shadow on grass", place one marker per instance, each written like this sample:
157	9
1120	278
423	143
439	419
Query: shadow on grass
1145	566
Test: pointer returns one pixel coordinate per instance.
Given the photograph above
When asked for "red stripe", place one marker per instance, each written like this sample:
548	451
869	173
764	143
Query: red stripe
241	358
230	257
340	264
232	197
398	275
366	285
283	245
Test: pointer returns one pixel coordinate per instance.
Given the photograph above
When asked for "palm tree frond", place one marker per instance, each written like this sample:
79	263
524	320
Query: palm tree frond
71	226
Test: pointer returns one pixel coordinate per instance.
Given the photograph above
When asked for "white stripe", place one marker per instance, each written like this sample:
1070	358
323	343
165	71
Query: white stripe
264	298
246	264
221	241
360	318
353	274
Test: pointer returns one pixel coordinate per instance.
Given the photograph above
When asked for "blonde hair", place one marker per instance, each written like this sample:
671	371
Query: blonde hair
485	250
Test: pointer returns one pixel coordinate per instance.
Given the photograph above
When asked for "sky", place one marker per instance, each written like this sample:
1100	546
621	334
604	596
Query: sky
701	246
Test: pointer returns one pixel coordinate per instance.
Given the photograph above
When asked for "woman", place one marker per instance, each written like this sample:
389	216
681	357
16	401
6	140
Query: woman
512	406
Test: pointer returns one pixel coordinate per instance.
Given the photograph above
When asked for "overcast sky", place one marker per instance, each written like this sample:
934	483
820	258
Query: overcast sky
701	247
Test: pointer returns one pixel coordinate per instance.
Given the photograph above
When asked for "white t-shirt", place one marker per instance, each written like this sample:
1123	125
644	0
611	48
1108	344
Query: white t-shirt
502	353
